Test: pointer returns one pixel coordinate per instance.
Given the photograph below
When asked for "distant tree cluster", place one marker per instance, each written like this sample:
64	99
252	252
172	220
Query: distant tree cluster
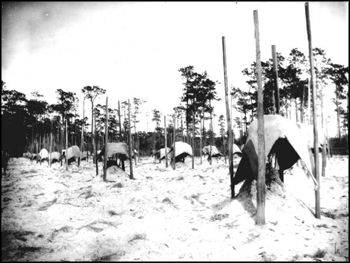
294	86
28	123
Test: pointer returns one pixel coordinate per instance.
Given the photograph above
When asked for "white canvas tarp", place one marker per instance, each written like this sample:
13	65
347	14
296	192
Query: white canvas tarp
284	138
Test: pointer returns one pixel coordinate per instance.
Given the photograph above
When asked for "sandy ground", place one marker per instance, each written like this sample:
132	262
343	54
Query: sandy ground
49	214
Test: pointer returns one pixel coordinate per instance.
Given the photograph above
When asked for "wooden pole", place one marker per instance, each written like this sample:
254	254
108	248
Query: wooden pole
92	132
228	118
130	150
210	149
106	144
120	123
165	143
273	102
82	132
302	106
260	219
174	150
61	141
324	148
309	100
200	135
194	136
212	133
50	157
314	100
66	145
95	144
275	71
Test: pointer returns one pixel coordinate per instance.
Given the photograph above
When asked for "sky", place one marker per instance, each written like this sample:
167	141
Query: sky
135	49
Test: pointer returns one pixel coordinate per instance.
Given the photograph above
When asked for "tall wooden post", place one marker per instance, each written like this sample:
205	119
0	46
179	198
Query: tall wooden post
166	152
302	106
200	134
106	144
120	123
95	145
260	219
275	71
273	102
61	141
314	100
130	144
324	148
66	145
82	132
92	133
50	157
309	100
212	133
174	149
228	118
194	136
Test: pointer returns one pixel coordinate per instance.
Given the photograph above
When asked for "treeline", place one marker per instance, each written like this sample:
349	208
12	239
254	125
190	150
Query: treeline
30	124
294	89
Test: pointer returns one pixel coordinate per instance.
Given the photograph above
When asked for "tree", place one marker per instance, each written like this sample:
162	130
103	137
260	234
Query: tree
64	107
15	118
297	69
340	77
92	93
136	112
124	108
156	119
199	91
222	132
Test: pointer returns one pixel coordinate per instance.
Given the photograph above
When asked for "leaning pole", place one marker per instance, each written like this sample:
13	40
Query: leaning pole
228	118
314	108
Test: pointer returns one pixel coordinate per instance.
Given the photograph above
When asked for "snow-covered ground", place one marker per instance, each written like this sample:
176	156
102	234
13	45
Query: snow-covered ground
49	214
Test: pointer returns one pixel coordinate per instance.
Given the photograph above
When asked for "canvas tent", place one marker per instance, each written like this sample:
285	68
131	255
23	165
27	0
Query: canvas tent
182	150
118	149
284	138
214	151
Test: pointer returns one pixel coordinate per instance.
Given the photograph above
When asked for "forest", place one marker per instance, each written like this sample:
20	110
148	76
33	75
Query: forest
29	124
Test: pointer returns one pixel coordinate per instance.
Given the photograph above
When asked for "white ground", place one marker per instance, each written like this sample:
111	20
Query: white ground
49	214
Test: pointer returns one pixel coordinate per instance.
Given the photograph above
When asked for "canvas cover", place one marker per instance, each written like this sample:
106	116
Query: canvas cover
181	148
43	154
116	148
235	149
214	150
55	156
282	137
73	151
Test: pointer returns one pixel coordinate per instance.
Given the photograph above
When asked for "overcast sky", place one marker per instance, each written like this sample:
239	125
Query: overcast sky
134	49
